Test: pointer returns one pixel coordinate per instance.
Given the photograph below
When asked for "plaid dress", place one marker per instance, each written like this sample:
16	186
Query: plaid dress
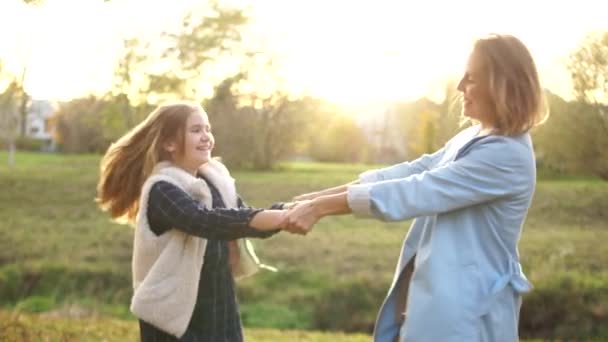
216	313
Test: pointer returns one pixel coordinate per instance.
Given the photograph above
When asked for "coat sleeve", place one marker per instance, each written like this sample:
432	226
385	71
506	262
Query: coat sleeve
402	170
170	207
488	171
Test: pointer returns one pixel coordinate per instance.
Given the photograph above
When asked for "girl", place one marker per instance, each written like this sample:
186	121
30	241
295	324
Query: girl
187	216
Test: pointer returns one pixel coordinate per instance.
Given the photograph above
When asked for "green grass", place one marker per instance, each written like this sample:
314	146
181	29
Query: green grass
15	326
58	252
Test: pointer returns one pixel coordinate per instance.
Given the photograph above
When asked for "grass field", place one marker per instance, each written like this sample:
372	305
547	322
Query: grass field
44	327
61	256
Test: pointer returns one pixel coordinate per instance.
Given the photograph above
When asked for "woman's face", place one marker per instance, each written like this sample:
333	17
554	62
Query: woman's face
477	102
198	143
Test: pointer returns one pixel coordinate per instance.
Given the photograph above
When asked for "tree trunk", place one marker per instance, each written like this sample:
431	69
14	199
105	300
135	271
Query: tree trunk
11	152
23	114
23	105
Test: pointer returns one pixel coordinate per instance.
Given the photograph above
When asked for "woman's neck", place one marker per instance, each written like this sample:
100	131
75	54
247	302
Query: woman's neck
485	128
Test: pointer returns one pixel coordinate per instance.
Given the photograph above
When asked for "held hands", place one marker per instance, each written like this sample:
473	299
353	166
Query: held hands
300	217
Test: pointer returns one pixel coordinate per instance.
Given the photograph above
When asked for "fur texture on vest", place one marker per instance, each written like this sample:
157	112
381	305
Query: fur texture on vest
166	268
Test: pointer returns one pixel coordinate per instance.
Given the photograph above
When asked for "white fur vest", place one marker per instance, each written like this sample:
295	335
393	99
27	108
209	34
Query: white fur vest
166	268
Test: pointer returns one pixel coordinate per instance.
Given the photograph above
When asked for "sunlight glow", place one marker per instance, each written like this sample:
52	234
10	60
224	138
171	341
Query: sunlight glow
346	52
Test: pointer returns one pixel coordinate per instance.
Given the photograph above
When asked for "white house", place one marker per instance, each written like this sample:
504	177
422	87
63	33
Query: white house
38	124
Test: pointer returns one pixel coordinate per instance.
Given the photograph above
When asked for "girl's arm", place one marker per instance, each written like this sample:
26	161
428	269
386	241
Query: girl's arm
170	207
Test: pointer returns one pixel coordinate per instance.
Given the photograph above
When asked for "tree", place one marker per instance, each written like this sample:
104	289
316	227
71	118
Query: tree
564	144
339	139
77	126
205	37
232	136
449	114
9	119
149	73
422	138
253	126
128	89
9	107
419	123
23	99
127	102
588	66
278	123
256	129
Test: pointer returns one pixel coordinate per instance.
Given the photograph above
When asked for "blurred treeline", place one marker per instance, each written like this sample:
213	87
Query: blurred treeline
257	123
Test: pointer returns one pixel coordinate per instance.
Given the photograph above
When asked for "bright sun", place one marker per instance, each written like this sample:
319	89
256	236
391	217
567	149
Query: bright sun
349	53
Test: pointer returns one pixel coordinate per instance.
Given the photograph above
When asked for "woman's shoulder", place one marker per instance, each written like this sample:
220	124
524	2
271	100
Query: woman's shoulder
465	134
518	143
505	150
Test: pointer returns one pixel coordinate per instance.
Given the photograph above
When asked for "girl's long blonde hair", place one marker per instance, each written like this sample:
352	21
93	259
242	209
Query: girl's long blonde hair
129	161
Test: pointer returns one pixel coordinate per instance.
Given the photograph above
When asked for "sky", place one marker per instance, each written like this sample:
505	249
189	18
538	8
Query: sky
347	52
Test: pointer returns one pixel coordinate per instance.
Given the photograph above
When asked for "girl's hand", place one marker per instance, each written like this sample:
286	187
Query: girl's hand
301	218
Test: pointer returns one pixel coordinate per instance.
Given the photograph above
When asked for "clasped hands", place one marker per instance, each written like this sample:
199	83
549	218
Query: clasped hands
300	215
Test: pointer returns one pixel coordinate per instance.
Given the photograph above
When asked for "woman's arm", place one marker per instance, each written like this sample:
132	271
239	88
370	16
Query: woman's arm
325	192
171	207
489	171
401	170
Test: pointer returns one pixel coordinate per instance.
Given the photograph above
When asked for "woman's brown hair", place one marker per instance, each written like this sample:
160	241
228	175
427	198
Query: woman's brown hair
129	161
514	85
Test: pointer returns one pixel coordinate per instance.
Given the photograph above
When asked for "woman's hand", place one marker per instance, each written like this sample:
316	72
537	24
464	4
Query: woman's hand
301	217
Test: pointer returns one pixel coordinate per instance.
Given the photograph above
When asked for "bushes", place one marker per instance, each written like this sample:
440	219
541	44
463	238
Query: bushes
318	302
350	306
25	287
29	144
25	144
566	308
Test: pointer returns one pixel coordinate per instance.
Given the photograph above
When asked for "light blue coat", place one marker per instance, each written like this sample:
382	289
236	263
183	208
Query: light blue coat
470	200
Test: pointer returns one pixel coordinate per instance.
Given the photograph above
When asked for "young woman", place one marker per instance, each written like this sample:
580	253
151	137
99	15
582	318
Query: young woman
459	276
189	225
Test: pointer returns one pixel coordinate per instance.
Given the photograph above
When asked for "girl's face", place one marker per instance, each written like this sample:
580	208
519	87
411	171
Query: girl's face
477	102
198	143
